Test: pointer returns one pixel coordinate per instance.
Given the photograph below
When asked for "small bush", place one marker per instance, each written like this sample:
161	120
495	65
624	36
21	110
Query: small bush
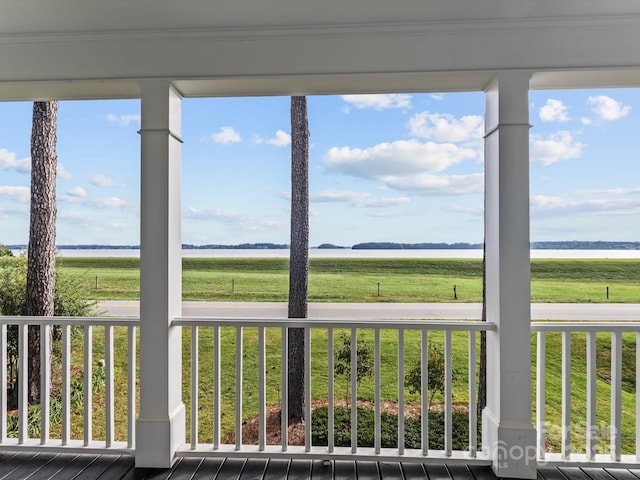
435	366
389	429
71	299
5	252
364	359
13	285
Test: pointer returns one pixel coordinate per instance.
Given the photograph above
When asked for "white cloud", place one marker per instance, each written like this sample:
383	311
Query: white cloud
199	214
473	210
232	218
554	147
91	222
15	194
403	157
586	121
554	206
124	119
77	192
547	202
18	212
554	111
611	191
379	101
437	185
437	96
8	161
282	139
75	218
107	202
226	135
607	108
62	173
97	203
100	180
408	166
357	199
446	128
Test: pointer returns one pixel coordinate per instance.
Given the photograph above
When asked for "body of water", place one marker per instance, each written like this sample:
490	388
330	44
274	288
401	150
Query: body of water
348	253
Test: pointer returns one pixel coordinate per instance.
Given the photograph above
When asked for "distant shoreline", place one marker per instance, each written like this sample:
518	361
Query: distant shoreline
560	245
348	253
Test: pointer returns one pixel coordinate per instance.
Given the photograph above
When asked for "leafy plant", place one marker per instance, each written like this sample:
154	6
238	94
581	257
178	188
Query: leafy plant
364	359
435	371
5	252
71	299
76	403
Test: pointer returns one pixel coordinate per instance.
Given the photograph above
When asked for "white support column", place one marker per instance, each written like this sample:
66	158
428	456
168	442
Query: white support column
161	423
508	435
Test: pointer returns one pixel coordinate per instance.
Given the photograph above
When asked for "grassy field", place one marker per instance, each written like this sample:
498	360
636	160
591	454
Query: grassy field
357	280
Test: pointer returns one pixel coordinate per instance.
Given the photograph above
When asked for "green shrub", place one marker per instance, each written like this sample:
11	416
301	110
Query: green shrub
5	252
13	285
389	429
71	298
413	378
364	358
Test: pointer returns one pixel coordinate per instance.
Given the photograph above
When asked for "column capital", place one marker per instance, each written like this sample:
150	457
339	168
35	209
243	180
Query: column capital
160	107
507	100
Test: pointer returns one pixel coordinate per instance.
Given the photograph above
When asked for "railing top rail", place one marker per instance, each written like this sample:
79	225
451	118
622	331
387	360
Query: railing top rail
586	326
315	322
96	321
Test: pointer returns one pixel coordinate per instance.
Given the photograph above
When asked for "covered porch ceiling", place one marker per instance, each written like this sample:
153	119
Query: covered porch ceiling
65	49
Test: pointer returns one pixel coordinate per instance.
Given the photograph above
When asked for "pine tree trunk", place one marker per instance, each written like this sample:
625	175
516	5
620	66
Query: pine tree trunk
299	254
42	231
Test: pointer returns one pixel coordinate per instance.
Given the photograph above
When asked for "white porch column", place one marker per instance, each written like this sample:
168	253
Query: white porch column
160	427
508	435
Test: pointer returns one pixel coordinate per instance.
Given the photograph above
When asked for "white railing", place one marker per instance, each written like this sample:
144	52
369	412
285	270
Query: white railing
582	436
259	348
85	386
578	373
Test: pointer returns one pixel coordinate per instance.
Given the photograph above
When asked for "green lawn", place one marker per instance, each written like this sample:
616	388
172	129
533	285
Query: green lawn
357	280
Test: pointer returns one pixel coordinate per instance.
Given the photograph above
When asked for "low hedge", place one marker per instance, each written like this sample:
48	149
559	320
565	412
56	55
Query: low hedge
389	429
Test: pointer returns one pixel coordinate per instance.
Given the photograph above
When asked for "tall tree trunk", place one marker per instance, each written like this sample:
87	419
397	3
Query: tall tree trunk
299	254
42	231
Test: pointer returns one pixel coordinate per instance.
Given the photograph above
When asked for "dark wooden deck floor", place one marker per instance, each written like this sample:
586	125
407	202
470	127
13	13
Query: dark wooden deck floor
46	466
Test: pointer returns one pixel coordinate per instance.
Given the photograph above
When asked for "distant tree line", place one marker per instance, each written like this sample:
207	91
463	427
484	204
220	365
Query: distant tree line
414	246
559	245
585	245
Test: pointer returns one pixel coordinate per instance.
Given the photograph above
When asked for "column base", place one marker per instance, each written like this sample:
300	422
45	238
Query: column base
157	439
511	446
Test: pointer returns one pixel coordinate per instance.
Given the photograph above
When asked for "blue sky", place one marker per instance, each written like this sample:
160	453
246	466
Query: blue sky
401	167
